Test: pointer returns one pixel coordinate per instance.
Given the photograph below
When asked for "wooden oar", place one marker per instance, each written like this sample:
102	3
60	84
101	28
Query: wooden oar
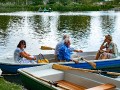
62	67
47	81
47	48
91	63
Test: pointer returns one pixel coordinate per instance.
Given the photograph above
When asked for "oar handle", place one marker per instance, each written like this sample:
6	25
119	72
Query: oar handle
62	67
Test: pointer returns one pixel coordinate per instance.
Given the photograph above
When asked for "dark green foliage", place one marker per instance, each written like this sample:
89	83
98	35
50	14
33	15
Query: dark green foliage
57	5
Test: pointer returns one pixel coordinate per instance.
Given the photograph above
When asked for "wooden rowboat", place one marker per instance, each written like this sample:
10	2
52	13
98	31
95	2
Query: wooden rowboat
9	65
48	77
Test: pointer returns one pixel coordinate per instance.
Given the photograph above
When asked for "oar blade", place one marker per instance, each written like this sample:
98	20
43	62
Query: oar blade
91	63
61	67
46	48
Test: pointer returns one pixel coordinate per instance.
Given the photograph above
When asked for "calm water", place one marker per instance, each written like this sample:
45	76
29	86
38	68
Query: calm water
86	29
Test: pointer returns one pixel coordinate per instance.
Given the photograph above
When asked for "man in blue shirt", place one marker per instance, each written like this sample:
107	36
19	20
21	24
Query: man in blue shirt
64	53
60	44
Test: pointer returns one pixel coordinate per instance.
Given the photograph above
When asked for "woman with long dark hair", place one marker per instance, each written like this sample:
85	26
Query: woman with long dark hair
21	56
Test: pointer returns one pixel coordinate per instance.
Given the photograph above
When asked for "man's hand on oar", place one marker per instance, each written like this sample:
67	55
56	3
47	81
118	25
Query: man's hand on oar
76	61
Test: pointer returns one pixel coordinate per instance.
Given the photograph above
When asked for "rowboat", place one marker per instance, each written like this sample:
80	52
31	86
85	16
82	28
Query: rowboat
59	77
9	65
44	10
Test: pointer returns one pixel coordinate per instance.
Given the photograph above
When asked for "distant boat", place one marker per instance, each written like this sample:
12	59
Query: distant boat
107	65
47	77
44	10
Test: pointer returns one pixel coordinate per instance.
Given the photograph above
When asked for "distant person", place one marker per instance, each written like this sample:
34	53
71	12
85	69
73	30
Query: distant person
64	53
108	49
21	56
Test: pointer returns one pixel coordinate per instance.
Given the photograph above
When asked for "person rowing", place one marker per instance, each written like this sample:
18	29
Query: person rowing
65	52
61	43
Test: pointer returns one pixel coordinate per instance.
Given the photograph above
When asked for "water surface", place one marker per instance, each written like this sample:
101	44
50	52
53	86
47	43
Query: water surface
86	29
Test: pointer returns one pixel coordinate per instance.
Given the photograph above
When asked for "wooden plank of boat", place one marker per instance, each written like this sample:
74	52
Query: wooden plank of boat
32	78
70	86
103	87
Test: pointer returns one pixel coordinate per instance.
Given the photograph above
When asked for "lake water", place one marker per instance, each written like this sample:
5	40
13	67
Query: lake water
86	29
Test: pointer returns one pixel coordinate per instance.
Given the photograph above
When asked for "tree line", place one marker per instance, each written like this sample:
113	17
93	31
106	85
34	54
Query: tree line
63	2
58	5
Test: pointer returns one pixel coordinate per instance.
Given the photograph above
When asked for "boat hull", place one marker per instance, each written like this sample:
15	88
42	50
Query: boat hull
113	65
109	64
12	68
33	77
31	84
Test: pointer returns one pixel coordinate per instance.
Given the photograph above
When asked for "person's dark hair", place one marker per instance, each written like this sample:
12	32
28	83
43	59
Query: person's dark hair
20	43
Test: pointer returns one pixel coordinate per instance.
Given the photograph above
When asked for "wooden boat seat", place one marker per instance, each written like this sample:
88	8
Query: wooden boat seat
107	86
70	86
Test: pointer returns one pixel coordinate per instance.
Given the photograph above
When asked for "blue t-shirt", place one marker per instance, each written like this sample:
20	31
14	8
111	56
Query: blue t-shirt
65	53
58	46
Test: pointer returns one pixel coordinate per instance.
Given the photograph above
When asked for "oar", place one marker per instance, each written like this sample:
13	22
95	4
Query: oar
62	67
47	81
47	48
91	63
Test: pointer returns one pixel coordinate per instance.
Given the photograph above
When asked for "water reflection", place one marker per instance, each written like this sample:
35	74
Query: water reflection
77	27
108	24
87	29
95	35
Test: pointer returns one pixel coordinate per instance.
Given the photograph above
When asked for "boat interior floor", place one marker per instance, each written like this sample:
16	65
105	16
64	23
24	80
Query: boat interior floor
72	86
106	86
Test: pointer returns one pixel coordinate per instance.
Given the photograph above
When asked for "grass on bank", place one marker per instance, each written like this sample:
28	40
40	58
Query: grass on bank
5	85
